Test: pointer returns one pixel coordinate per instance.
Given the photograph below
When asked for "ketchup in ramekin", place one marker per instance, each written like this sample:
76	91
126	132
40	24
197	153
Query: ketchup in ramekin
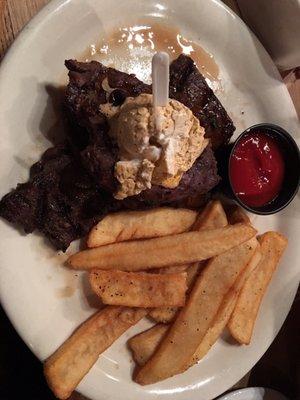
257	169
263	169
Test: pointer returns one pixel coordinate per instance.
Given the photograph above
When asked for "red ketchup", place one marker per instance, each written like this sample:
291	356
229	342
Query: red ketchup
256	169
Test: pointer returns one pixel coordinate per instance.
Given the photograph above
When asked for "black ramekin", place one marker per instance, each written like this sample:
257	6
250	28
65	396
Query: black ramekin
291	155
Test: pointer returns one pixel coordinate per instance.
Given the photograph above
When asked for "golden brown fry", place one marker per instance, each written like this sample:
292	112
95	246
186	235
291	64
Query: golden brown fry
243	318
163	315
75	357
225	309
193	321
213	216
192	272
237	215
144	344
139	289
172	270
167	314
166	251
128	225
147	342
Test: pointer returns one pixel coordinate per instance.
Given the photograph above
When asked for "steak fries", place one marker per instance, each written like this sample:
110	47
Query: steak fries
70	363
243	318
192	272
139	289
213	216
139	255
194	320
129	225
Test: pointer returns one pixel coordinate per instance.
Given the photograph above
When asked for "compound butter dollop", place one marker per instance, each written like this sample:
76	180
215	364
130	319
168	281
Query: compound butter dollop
156	145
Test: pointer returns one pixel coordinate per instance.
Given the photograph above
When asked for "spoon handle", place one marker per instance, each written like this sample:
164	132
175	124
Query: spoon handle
160	79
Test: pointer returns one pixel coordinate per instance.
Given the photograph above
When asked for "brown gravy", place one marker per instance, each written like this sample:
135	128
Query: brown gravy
131	48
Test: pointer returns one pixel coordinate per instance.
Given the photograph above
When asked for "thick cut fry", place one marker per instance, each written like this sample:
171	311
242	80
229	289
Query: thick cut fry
163	315
192	272
139	289
144	344
71	362
225	309
129	225
172	270
237	215
167	314
243	318
166	251
213	216
193	321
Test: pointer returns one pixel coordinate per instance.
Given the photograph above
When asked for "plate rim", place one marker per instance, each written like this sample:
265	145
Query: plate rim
235	394
38	19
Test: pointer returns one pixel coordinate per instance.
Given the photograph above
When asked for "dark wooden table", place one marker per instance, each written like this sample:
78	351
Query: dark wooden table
21	373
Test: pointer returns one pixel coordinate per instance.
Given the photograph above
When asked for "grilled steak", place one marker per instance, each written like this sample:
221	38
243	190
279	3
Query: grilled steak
71	187
86	92
60	199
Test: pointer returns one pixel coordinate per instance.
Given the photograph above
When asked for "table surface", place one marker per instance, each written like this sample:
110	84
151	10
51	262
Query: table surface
23	374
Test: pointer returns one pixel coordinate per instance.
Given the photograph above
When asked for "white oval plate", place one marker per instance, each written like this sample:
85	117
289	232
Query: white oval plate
33	283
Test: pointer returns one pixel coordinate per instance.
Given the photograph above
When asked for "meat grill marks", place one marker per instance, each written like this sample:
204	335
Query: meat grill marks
63	202
60	199
70	188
